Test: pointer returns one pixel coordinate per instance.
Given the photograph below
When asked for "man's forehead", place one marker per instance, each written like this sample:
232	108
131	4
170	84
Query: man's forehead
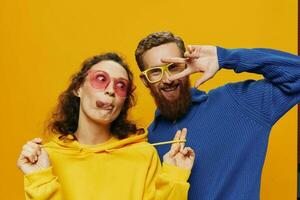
152	57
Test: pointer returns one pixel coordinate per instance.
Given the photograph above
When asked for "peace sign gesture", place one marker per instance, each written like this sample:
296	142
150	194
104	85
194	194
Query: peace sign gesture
198	58
179	155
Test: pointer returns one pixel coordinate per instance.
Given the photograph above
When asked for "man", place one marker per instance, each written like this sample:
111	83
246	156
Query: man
228	127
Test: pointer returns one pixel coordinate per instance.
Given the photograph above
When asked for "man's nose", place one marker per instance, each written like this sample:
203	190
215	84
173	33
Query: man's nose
165	78
109	90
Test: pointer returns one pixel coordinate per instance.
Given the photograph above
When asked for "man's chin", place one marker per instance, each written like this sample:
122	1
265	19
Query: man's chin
173	104
170	99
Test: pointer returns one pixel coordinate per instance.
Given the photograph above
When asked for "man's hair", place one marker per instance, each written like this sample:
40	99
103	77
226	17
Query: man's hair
154	40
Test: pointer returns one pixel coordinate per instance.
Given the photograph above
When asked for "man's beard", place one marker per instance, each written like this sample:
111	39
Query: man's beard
173	110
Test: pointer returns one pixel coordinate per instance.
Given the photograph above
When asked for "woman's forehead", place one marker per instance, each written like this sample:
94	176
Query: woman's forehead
113	68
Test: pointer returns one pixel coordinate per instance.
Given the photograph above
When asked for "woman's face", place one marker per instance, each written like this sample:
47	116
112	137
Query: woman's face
104	91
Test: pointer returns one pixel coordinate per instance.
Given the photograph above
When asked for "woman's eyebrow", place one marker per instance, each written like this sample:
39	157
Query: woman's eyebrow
101	70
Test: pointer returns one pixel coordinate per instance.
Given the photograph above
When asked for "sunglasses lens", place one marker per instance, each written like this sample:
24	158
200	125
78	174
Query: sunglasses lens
99	79
121	87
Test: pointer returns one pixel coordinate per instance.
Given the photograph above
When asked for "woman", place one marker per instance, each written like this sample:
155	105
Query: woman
96	152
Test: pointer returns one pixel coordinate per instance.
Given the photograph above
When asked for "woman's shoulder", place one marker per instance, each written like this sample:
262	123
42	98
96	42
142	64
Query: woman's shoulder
55	142
142	151
139	144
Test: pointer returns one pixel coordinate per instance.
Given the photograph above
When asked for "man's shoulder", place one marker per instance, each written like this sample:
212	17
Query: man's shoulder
220	91
235	90
236	86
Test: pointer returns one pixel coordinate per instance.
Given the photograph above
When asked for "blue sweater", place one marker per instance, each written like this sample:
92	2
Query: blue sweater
229	126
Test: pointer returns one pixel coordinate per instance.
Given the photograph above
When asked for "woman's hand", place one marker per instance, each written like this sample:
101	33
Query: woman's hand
33	157
179	155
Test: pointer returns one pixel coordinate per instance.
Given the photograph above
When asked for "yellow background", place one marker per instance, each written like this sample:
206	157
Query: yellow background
43	42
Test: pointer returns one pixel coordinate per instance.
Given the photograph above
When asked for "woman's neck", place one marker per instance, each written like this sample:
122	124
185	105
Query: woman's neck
90	132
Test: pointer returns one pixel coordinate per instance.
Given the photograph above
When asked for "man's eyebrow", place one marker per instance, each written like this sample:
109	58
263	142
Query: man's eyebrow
164	64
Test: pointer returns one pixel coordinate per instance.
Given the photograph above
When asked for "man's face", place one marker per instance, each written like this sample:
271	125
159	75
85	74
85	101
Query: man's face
170	90
171	97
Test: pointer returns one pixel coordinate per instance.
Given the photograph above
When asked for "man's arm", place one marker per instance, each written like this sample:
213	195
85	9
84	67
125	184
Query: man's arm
280	68
271	97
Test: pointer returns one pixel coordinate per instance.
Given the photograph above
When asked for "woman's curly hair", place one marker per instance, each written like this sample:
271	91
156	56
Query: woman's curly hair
64	119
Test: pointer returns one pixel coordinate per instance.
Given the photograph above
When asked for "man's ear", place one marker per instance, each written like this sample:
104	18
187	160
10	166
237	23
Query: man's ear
144	80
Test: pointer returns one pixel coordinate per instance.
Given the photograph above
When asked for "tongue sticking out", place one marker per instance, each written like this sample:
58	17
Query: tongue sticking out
104	105
99	104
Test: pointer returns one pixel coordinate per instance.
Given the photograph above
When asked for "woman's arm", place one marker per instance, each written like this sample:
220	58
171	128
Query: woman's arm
42	185
39	181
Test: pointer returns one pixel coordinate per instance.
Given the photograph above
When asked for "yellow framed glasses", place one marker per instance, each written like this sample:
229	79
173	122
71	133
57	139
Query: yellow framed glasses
155	74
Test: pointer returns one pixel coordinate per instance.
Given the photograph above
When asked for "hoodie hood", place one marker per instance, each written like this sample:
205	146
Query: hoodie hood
70	145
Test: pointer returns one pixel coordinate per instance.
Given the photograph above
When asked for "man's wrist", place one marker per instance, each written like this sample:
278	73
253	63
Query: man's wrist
226	58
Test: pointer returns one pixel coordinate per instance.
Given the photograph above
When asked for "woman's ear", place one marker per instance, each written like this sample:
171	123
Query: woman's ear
144	80
77	92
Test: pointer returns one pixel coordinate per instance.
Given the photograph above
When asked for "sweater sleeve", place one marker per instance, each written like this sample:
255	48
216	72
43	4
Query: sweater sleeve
166	182
42	185
272	96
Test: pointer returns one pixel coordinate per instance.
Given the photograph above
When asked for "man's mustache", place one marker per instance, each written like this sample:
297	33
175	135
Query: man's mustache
169	85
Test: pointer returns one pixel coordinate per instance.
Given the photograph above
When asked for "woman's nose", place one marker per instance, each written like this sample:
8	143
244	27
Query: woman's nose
109	90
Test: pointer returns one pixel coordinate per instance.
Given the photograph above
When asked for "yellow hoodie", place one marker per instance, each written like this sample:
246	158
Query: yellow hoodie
127	169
